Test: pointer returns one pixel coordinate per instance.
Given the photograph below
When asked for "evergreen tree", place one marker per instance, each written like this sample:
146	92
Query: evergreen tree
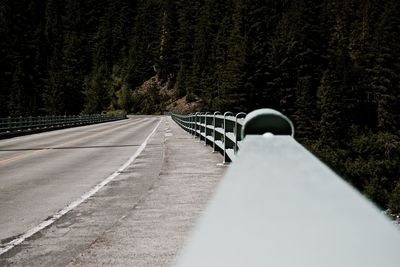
332	66
96	91
167	60
5	74
311	46
220	53
262	18
231	74
187	19
383	77
75	57
144	45
204	60
54	94
338	93
17	100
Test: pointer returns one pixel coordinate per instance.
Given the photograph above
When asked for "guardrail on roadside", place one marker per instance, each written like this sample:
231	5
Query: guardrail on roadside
224	131
23	125
278	205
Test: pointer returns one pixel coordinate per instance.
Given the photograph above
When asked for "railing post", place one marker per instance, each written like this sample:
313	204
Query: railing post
205	127
200	119
236	130
215	113
227	140
195	126
225	155
20	123
203	117
191	123
199	124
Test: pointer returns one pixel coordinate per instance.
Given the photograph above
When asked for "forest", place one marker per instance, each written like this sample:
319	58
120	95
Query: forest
332	66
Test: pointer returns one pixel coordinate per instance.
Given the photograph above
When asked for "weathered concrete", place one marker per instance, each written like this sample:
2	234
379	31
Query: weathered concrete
278	205
141	218
42	173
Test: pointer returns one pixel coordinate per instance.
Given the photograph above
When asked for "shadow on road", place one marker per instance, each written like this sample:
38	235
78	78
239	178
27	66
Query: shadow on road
61	148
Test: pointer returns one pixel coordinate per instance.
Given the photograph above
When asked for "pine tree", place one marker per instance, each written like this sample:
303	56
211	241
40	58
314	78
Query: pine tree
96	90
232	73
125	99
311	45
167	60
23	55
187	19
17	100
144	45
75	56
54	93
338	94
204	58
5	74
220	53
262	18
384	78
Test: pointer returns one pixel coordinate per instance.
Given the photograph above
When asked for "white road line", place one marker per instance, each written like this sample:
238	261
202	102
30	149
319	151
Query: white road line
6	247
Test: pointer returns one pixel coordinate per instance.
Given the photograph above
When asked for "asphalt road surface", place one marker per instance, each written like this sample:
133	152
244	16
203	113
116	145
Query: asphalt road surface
91	196
43	173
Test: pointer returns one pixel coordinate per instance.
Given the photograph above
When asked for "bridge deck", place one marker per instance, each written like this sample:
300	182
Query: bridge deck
141	218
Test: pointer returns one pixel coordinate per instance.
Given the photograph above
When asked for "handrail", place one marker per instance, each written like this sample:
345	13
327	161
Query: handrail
205	127
225	135
226	157
25	125
236	129
278	205
195	129
215	113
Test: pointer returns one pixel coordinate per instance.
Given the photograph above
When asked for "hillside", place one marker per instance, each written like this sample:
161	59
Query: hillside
332	66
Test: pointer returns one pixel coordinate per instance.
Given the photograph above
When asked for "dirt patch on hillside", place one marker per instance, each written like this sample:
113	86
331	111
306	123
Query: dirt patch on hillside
182	106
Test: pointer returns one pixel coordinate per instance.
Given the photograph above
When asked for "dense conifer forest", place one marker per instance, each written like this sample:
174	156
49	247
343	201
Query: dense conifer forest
332	66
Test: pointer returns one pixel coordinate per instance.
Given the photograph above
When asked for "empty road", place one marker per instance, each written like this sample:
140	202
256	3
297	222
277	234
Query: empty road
41	174
124	193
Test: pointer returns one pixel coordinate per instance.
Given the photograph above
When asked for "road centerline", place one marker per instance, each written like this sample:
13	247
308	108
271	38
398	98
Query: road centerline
48	149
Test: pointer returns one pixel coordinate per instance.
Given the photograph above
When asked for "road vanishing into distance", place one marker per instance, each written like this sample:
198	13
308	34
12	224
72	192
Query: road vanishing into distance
41	174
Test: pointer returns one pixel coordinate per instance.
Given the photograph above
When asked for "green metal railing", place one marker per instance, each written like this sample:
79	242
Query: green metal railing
224	131
219	131
278	205
22	125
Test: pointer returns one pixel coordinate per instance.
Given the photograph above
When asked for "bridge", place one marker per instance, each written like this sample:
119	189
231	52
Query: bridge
148	191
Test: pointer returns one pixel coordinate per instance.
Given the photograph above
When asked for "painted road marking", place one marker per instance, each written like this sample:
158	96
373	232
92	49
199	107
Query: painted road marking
6	247
90	127
12	159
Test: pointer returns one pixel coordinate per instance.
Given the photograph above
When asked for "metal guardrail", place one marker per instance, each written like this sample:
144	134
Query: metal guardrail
22	125
278	205
224	131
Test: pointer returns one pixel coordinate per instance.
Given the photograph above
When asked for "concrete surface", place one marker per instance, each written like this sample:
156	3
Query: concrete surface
278	205
141	218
